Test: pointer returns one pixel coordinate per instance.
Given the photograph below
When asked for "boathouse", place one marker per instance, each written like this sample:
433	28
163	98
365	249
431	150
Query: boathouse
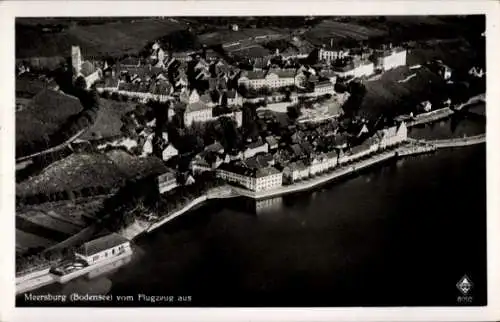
103	248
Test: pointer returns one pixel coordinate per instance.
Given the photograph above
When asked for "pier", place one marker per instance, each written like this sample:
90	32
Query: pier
457	142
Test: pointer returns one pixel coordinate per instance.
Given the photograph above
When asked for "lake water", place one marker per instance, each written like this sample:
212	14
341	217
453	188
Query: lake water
401	233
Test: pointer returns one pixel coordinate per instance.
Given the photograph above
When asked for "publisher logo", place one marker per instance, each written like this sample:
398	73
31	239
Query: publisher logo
464	285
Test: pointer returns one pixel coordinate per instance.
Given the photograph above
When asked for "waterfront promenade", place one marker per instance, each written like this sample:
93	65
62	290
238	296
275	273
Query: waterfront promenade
140	226
316	181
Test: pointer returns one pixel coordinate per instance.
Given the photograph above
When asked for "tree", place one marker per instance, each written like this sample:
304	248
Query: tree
80	83
293	111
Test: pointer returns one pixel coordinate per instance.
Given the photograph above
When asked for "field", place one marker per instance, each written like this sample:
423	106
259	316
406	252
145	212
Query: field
112	38
330	29
25	240
108	122
44	220
46	224
228	36
45	114
383	29
73	173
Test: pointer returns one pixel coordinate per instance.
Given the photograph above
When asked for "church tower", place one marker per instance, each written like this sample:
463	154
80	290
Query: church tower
76	59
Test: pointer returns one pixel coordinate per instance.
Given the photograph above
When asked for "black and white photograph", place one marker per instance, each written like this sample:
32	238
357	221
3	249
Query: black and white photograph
194	161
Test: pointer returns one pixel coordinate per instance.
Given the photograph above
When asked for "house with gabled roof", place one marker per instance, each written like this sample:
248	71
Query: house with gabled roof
103	248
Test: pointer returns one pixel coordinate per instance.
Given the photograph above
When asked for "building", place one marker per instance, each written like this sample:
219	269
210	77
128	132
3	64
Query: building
85	69
392	59
257	180
255	147
183	56
324	87
169	152
358	69
271	79
392	135
328	53
233	98
189	97
166	182
76	59
272	143
323	162
103	248
295	171
197	112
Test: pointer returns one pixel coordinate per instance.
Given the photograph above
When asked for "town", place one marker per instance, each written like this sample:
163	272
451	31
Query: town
122	144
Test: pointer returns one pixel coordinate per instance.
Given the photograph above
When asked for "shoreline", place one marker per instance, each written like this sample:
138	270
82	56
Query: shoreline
135	230
140	228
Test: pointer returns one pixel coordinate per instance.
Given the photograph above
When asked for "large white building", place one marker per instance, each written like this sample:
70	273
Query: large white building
197	112
330	54
298	170
392	135
103	248
271	79
356	70
322	88
252	179
392	59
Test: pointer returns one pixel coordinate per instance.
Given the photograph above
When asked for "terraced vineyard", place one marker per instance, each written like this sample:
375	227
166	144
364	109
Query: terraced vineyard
47	224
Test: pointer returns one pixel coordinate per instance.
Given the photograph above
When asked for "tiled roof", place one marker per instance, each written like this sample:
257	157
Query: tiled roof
103	243
198	106
321	84
283	73
264	172
255	144
255	75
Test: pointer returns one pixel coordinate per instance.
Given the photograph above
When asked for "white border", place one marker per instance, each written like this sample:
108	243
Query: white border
9	10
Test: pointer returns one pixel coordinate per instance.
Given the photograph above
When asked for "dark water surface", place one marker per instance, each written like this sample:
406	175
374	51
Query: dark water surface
402	233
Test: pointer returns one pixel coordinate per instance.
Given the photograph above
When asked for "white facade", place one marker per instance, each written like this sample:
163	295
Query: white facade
366	69
323	89
255	183
166	182
76	59
330	54
250	152
271	80
269	182
104	254
395	59
169	152
202	115
393	135
205	115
